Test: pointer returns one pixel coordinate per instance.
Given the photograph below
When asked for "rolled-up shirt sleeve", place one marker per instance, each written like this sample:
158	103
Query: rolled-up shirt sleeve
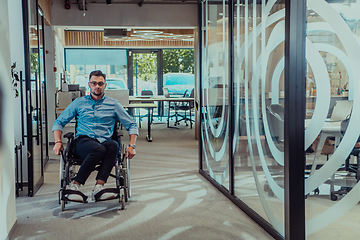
66	116
126	120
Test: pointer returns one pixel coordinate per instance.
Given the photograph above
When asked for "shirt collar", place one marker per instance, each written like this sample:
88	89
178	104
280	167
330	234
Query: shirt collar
89	97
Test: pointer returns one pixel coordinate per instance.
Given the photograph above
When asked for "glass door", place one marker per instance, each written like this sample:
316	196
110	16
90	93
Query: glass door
34	82
144	68
145	74
42	87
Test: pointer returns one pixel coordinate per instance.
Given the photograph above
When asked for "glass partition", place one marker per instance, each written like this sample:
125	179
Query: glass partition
333	57
253	173
215	83
259	108
262	172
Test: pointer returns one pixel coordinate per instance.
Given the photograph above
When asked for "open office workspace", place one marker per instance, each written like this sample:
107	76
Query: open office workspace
181	105
247	115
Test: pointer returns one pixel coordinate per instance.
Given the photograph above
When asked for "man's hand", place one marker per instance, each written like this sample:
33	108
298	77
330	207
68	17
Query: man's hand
58	146
130	152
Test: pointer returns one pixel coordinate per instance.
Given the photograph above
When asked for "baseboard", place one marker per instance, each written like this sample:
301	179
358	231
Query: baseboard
11	231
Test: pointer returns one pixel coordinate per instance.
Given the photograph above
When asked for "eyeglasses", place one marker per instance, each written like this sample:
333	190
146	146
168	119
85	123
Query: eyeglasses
93	84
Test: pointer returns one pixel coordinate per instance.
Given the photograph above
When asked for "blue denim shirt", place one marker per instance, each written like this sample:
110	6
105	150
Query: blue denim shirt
96	119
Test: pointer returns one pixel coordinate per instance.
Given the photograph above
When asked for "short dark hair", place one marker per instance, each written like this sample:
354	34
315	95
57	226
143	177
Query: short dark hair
97	73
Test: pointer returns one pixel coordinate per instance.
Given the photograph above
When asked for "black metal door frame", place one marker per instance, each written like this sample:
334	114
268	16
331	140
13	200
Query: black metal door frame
46	133
159	54
33	184
294	123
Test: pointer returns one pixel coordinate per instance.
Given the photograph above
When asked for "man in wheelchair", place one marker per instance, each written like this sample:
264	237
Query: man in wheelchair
96	115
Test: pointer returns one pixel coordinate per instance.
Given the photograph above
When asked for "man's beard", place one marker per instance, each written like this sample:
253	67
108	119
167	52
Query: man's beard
97	94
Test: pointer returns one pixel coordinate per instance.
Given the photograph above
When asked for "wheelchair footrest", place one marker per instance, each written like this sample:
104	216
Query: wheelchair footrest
107	190
68	191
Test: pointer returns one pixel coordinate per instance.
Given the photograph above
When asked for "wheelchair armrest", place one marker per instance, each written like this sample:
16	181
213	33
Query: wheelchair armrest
69	135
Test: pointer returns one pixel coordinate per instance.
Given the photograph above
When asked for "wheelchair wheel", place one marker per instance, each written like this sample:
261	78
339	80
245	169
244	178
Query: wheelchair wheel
62	171
66	174
63	205
126	195
128	185
117	175
122	202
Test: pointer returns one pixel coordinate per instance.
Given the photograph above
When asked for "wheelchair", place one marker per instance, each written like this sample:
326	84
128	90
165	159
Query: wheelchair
67	172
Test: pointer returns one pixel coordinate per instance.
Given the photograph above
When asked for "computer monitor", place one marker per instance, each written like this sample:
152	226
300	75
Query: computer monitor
121	95
73	87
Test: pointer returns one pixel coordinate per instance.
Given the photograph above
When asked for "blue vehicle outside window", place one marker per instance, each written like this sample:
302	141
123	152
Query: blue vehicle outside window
179	83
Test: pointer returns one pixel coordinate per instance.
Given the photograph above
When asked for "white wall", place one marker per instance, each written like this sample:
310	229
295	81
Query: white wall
7	166
50	79
126	15
59	60
17	55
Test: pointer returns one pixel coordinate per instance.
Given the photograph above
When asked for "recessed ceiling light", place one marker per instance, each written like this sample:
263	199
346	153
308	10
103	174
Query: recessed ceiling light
148	32
164	36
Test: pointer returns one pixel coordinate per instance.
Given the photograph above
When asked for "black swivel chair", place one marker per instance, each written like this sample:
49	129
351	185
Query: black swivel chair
146	93
351	168
275	114
183	106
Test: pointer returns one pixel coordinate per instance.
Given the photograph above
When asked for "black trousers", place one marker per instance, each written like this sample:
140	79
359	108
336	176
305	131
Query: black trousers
95	153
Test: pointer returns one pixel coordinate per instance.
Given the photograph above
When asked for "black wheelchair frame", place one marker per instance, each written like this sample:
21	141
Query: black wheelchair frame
67	174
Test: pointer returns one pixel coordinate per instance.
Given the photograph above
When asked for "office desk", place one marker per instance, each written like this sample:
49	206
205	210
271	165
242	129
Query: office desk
148	106
159	98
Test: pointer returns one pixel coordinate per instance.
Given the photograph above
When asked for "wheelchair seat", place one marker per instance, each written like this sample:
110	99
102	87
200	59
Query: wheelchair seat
67	173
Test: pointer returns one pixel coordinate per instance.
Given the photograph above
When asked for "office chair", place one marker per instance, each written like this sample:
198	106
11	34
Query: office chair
275	114
146	93
351	168
67	174
183	106
171	105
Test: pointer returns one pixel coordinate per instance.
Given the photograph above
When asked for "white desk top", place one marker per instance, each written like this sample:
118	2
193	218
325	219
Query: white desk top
141	105
327	126
331	127
158	98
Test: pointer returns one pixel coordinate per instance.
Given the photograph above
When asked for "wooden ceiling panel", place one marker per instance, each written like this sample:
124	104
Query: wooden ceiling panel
135	38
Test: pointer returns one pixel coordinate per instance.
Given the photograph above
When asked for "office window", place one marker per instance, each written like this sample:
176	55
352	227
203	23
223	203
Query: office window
112	62
178	71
